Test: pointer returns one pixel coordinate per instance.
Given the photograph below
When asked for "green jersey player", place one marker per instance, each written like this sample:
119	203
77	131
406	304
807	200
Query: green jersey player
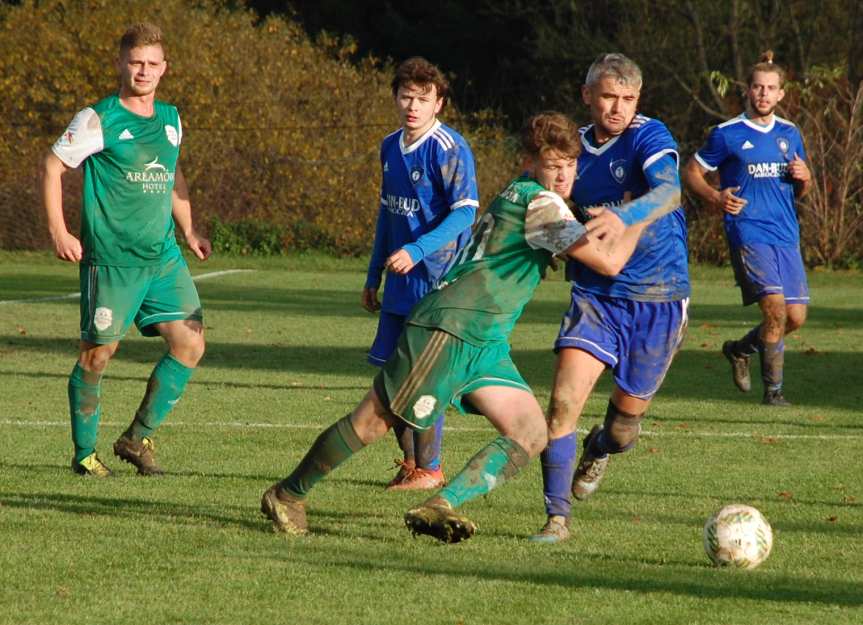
131	269
455	350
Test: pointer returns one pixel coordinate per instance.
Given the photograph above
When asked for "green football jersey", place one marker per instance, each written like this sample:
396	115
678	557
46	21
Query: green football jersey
483	295
129	164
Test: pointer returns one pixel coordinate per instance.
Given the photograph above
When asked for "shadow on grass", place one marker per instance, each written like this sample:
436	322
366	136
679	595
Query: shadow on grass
603	572
118	507
813	379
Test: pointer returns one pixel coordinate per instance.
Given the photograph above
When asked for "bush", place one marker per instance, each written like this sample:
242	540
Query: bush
281	133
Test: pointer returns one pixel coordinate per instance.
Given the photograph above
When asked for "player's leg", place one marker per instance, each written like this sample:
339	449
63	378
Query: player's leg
284	501
575	376
587	343
389	329
522	435
85	407
170	309
656	333
109	299
759	271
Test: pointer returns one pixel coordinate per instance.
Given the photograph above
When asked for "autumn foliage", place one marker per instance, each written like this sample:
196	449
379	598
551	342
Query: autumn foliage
281	133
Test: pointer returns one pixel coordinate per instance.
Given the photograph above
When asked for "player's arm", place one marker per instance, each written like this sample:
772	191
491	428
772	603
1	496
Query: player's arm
604	256
66	245
369	297
181	209
800	174
695	178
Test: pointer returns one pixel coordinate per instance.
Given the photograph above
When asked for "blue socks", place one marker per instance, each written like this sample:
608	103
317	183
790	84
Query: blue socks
558	466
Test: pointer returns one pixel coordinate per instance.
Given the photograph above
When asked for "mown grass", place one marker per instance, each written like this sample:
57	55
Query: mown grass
286	346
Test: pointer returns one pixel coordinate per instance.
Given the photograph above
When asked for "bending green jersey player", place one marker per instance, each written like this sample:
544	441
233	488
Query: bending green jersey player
455	350
131	269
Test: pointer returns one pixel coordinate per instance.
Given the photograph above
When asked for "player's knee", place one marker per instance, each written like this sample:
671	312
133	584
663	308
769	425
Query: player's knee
96	358
562	415
621	429
794	319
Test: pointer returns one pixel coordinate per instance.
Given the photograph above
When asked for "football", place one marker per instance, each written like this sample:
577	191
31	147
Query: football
738	536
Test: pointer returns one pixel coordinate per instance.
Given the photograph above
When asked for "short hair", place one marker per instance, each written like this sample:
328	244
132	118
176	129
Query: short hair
617	66
765	64
551	131
140	35
422	73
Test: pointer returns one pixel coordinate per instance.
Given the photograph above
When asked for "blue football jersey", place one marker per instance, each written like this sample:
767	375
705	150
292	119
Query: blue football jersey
612	173
755	158
422	184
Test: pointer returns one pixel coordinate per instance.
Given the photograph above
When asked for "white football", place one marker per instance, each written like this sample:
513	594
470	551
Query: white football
738	536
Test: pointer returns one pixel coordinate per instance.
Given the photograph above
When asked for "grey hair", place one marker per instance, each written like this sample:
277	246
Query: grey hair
617	66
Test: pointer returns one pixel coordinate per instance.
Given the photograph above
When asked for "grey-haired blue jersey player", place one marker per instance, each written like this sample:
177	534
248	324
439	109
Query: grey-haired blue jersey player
427	207
632	323
762	170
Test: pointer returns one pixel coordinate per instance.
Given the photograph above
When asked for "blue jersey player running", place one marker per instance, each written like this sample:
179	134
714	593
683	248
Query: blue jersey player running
427	206
632	323
762	168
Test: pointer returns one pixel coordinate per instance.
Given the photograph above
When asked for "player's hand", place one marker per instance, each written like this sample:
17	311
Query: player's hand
605	225
729	202
799	170
68	248
399	262
370	300
200	246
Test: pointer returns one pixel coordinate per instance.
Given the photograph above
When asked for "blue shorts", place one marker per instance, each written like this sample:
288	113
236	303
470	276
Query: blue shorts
637	340
389	329
762	269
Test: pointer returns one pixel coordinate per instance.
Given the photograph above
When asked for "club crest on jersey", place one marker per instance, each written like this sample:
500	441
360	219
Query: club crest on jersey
783	144
416	174
618	170
103	318
424	406
172	134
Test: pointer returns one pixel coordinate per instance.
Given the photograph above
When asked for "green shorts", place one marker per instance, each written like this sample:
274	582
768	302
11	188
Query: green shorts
432	369
113	297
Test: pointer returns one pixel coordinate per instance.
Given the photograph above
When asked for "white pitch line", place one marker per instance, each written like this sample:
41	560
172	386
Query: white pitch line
236	425
54	298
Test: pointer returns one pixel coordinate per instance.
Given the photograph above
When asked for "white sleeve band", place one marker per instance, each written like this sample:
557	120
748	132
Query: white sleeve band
703	163
82	138
655	157
550	225
179	130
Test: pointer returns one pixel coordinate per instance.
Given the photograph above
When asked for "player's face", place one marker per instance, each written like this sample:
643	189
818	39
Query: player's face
765	93
417	106
140	70
554	171
612	106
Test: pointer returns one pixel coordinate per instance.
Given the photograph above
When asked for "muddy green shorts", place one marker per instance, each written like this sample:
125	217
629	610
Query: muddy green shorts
113	297
431	369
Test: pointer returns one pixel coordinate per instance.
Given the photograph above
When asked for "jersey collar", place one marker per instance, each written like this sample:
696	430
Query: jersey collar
759	127
590	148
416	144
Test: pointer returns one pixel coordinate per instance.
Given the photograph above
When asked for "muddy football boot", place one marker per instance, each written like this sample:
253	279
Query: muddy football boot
739	367
138	453
590	470
287	514
441	522
91	466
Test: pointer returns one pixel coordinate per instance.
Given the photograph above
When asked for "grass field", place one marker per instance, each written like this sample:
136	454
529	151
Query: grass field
285	358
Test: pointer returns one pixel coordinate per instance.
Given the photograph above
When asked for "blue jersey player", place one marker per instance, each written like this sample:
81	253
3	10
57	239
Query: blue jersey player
762	169
632	323
427	206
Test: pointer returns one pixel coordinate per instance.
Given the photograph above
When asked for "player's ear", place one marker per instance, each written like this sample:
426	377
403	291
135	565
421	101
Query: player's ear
585	94
781	95
438	105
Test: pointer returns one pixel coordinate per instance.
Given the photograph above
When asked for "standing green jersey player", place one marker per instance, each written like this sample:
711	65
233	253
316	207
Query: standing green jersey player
131	269
455	349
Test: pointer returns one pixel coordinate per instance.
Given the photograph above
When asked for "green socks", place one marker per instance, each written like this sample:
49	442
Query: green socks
85	389
495	463
334	445
164	388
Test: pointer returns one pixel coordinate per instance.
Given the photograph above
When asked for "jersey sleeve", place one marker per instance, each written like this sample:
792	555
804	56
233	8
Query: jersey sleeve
799	148
82	138
458	174
550	225
711	155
